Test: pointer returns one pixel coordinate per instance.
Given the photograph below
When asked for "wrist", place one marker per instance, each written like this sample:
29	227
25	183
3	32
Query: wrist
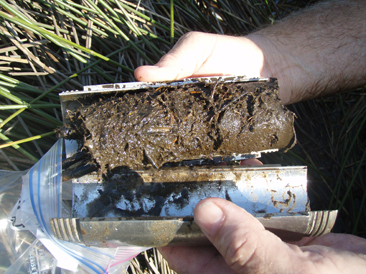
281	65
312	57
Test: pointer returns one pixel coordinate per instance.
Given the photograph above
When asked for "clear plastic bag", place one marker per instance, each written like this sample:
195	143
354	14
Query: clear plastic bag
42	199
13	244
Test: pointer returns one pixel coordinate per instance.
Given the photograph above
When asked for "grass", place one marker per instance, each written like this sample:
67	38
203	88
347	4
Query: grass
49	46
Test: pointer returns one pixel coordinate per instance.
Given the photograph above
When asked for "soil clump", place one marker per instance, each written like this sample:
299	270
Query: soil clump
192	121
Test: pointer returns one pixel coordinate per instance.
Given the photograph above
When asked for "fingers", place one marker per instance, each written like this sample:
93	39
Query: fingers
246	162
203	260
199	54
182	61
242	240
251	162
158	74
246	247
340	241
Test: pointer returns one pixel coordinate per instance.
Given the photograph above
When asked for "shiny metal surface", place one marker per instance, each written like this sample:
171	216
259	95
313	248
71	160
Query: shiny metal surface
174	192
118	87
155	207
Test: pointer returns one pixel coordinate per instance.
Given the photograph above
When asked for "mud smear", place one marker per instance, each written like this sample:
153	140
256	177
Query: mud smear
125	195
192	121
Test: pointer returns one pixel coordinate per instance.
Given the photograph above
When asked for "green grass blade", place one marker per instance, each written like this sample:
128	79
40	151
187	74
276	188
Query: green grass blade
5	107
172	21
17	147
15	143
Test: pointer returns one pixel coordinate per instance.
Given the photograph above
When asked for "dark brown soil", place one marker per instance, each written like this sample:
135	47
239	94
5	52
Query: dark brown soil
193	121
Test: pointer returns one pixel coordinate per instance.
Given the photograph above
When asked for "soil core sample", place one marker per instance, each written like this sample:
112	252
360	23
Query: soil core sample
186	122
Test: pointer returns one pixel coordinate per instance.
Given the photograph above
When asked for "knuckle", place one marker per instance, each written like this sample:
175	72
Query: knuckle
241	252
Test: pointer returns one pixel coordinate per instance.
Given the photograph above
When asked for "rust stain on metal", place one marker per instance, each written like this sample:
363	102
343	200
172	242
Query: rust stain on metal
293	204
163	232
186	174
286	201
268	216
278	176
108	86
83	232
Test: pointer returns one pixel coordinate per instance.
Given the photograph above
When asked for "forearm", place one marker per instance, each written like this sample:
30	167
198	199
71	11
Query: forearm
318	51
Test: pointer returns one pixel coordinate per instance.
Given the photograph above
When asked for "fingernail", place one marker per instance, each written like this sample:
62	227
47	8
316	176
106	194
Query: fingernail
209	217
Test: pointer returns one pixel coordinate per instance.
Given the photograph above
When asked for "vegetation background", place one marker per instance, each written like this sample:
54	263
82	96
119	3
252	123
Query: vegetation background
49	46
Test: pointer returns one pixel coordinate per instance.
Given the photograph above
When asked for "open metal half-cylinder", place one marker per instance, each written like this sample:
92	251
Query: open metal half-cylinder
153	207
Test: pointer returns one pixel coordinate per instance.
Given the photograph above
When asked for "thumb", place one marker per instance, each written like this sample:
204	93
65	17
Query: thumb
242	240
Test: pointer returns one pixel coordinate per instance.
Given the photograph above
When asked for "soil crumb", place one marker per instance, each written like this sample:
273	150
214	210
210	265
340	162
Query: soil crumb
192	121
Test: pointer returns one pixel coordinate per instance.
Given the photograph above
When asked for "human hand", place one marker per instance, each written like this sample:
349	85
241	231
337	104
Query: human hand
203	54
317	52
244	246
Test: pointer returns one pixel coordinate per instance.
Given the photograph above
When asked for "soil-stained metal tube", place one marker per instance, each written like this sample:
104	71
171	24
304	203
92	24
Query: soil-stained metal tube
108	232
174	192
